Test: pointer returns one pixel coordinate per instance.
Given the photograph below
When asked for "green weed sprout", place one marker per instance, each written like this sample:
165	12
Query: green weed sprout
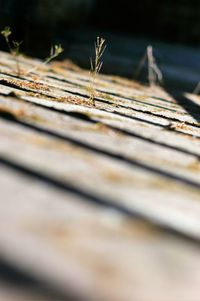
13	46
55	51
96	66
6	32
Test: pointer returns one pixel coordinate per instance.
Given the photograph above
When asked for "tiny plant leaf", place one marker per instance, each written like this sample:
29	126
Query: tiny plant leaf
14	49
6	32
55	51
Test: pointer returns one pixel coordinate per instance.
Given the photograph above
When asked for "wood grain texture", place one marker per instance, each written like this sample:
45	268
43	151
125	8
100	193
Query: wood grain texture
97	202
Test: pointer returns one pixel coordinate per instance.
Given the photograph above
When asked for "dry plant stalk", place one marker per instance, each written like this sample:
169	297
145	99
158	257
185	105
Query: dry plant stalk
14	48
96	66
154	73
197	89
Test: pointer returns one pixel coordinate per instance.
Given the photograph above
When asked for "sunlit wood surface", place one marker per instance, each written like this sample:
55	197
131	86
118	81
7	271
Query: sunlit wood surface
101	202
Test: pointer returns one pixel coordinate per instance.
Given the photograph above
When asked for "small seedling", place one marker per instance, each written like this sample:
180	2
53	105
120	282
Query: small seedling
13	46
56	50
155	76
96	66
6	32
14	49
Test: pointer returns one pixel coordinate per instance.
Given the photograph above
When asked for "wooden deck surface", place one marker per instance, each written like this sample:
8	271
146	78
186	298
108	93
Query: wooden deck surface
101	202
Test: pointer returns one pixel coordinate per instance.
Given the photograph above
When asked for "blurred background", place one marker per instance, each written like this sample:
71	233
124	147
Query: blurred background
171	26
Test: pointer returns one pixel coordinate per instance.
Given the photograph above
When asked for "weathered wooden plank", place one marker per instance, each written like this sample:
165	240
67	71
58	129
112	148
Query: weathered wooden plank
125	105
88	252
178	160
97	199
138	188
142	125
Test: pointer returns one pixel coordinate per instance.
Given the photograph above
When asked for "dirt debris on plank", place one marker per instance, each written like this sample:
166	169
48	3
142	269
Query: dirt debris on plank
103	196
